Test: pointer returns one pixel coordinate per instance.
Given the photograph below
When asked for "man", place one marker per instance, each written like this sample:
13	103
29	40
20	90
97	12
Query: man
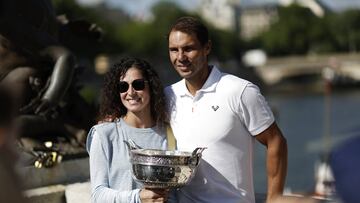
224	113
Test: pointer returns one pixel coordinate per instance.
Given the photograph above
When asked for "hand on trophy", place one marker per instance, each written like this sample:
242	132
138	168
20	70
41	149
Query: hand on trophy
148	195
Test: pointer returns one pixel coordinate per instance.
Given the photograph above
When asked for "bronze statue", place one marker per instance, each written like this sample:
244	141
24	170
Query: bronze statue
39	71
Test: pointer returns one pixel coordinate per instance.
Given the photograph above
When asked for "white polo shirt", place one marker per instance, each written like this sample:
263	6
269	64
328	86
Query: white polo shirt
224	115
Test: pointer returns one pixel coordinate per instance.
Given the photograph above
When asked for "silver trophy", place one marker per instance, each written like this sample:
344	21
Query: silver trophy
163	168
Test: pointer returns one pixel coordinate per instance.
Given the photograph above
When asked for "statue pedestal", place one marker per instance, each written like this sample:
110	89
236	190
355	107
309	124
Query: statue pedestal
66	172
66	182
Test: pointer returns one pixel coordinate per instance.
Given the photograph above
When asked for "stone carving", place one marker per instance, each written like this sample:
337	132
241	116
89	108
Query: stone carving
40	72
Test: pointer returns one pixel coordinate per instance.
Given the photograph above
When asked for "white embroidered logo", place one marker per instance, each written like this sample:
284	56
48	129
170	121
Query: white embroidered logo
215	107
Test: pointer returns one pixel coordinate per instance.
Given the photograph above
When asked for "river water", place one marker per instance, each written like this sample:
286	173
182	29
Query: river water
308	120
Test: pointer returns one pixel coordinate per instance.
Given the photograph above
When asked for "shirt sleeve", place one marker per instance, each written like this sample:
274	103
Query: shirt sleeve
98	149
256	112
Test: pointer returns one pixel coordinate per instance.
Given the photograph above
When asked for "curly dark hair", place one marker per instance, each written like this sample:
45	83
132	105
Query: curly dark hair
111	106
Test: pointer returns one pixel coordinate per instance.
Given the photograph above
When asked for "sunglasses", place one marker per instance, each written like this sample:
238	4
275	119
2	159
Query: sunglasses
138	85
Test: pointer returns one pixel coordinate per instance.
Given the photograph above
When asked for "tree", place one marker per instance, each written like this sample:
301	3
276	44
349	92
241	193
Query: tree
346	30
297	31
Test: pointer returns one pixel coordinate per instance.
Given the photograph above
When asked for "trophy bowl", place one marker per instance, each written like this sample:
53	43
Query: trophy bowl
164	168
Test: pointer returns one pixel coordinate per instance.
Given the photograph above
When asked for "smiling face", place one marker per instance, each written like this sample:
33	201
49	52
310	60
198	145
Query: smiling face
188	56
135	101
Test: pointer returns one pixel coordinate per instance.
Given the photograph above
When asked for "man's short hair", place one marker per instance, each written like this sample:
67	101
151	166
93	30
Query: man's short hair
191	25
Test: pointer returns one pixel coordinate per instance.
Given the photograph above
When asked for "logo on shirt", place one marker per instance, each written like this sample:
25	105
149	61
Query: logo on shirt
216	107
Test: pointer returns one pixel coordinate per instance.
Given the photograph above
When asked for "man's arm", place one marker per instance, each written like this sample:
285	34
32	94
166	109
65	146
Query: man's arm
276	160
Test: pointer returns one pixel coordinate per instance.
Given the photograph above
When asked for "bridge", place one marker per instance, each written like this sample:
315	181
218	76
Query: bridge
329	66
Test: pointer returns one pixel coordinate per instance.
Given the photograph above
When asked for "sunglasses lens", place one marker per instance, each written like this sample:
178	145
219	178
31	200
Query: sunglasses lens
138	84
123	86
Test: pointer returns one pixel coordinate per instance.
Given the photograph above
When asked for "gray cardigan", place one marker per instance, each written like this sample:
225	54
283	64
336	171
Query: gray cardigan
110	169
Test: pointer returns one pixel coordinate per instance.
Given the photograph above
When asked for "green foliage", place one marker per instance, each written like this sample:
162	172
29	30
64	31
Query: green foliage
165	13
72	9
225	45
299	31
346	30
137	38
150	38
146	39
291	34
89	94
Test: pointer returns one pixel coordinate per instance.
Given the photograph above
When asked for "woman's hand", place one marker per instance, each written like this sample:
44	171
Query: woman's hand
153	195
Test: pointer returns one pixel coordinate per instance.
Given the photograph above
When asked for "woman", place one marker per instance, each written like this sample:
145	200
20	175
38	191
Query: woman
134	101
